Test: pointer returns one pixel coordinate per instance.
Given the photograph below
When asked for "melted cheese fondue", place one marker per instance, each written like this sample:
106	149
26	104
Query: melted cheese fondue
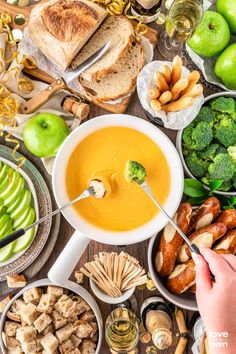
105	152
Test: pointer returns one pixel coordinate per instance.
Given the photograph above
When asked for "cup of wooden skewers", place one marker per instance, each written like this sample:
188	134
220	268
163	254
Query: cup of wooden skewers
170	93
114	277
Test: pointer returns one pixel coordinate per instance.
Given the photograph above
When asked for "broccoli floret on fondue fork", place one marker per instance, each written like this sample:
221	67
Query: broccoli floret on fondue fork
135	171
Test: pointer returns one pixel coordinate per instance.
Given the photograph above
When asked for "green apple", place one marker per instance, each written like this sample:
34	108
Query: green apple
7	251
22	206
44	133
227	8
22	216
211	36
15	193
24	241
15	203
225	68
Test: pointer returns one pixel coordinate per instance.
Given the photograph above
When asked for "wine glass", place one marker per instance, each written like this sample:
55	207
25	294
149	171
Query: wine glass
122	331
181	21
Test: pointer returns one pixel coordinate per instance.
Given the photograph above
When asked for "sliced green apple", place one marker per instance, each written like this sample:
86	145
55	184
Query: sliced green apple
3	172
5	228
24	241
3	220
14	204
13	183
23	215
29	220
15	192
1	165
4	184
7	251
25	201
2	208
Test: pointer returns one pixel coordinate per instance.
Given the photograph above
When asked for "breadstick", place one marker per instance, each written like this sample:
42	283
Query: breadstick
178	87
195	91
165	97
156	105
178	105
176	70
161	82
166	71
193	78
153	93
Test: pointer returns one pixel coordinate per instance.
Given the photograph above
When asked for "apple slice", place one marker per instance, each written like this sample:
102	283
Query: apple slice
25	201
15	194
3	172
24	241
13	183
4	184
7	251
3	220
2	208
6	227
15	203
23	215
29	220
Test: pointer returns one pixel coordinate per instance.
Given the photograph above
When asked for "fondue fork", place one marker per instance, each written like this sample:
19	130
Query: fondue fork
18	233
193	248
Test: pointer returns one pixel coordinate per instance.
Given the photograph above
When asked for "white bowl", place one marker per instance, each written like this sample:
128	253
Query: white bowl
179	142
186	300
75	288
109	299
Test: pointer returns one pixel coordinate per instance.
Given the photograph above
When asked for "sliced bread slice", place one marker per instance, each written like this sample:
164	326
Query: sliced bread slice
121	82
118	30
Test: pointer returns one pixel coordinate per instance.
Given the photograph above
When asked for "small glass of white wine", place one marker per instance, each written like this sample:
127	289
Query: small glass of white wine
122	331
183	18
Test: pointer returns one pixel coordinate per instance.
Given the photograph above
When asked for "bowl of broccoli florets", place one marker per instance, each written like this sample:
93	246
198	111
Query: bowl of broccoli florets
207	146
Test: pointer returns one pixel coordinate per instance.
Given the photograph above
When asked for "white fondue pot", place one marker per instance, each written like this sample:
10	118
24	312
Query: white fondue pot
64	265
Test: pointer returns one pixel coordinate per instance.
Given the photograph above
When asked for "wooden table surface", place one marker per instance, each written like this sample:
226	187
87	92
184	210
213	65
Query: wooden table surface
137	250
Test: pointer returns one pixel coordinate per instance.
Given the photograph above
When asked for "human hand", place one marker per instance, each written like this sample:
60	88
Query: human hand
217	301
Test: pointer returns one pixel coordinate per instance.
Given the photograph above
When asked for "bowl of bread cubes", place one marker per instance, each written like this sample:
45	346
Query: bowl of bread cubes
169	258
45	318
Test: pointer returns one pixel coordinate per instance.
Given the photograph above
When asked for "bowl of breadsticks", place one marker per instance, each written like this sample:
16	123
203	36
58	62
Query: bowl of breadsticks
170	94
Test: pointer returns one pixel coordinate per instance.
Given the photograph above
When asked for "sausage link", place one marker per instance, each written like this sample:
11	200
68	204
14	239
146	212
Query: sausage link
171	241
202	237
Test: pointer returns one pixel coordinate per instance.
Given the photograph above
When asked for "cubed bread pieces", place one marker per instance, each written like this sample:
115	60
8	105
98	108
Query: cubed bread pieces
65	305
16	350
29	313
16	281
49	328
87	316
56	291
94	326
4	303
58	320
66	347
42	322
79	277
49	343
14	312
32	295
46	303
65	332
75	340
10	328
87	347
73	317
10	342
26	334
83	329
29	347
39	346
81	306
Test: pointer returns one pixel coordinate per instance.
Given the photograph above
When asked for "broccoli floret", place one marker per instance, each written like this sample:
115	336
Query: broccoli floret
206	114
232	153
209	153
197	166
198	137
221	150
224	105
134	171
225	186
222	167
225	131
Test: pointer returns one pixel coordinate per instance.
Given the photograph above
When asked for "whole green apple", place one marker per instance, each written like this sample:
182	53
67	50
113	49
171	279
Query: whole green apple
227	8
225	68
211	36
44	133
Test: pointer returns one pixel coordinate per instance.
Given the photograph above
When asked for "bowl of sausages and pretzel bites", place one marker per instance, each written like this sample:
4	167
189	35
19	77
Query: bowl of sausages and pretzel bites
170	263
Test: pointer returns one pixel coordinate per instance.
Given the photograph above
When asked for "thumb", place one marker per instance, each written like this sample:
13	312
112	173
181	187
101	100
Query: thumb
203	275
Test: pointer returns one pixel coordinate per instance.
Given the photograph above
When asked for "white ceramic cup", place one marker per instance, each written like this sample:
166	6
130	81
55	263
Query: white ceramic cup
66	262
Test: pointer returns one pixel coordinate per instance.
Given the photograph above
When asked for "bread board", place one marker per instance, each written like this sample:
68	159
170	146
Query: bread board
15	12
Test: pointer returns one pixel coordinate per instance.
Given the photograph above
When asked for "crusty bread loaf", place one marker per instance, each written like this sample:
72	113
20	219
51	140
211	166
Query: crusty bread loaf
60	28
118	30
120	83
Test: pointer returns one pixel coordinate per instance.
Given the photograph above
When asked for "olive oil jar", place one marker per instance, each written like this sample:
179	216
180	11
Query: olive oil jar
147	10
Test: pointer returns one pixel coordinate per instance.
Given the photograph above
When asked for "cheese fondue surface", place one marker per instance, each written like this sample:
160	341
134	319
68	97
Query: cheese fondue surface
104	153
